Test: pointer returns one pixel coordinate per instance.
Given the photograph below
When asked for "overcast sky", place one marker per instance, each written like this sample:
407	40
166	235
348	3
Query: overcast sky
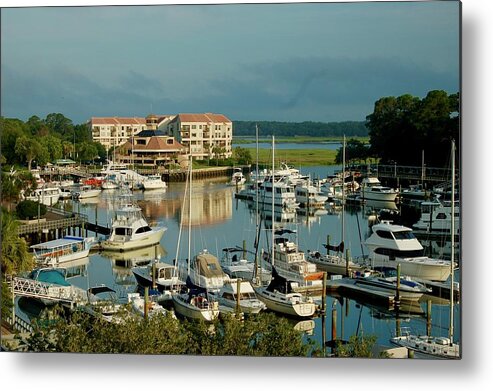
286	62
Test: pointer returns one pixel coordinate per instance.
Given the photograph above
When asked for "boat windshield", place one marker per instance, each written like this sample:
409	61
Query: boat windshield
399	235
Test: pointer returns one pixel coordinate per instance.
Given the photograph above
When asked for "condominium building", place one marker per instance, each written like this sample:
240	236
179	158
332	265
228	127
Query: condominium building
205	135
115	131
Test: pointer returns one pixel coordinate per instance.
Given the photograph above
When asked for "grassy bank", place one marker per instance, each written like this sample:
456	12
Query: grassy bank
296	157
296	139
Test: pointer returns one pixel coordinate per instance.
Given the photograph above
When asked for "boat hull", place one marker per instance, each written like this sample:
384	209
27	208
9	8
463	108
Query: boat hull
141	241
185	309
299	310
436	271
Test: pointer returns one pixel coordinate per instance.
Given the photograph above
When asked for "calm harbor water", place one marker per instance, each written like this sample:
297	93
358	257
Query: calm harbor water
220	220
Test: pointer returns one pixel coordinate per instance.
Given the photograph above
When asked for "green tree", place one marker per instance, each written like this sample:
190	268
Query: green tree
30	149
242	155
358	346
355	150
15	253
53	146
11	131
58	123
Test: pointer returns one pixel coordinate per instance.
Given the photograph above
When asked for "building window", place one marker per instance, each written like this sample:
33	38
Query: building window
194	126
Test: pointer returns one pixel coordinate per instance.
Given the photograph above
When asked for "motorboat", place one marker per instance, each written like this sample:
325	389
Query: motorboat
110	183
138	305
122	174
236	267
372	189
130	230
103	304
390	245
309	196
291	264
58	251
86	191
337	263
245	298
237	179
153	182
280	297
46	195
162	276
436	217
407	289
282	192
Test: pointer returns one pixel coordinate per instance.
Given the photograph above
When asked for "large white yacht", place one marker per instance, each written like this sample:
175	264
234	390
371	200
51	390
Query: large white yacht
391	244
130	230
436	217
372	189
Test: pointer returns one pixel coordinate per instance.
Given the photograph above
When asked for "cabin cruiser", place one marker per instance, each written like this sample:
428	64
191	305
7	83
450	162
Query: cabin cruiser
279	296
391	245
205	271
122	174
436	217
309	196
237	179
372	189
152	182
46	195
229	296
282	192
130	230
160	275
242	268
291	264
86	191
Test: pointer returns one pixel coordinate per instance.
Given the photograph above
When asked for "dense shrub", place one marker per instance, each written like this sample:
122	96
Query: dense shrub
27	209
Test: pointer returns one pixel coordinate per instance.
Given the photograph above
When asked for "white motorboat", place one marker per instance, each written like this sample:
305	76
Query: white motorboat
436	217
103	304
309	196
110	183
237	179
46	195
153	182
408	289
292	265
280	297
242	268
246	298
284	195
58	251
153	308
334	263
86	191
438	347
391	244
122	174
162	276
130	230
372	189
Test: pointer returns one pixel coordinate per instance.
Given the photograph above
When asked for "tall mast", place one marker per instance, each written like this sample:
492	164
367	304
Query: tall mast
256	207
190	214
452	244
273	219
343	185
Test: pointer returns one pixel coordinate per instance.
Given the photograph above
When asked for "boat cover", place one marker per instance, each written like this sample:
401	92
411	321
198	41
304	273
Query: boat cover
208	266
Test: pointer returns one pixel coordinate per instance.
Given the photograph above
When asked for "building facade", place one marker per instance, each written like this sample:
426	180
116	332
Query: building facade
115	131
204	135
151	148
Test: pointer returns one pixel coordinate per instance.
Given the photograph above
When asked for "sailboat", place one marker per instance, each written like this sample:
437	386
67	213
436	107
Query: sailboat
330	263
193	302
438	347
279	296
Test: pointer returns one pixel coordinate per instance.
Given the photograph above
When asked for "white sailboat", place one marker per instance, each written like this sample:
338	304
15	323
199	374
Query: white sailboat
194	302
439	347
279	296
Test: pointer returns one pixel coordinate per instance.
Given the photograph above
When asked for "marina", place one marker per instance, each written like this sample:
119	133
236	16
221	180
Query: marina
228	225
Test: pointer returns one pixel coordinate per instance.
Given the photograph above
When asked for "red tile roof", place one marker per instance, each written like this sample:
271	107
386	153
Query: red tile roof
118	121
206	117
156	144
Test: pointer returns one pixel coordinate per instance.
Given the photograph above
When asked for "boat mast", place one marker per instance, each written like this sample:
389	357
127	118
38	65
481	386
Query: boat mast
273	219
452	245
343	193
256	208
190	213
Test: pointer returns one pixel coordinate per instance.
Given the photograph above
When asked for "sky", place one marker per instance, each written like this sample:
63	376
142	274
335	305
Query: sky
280	62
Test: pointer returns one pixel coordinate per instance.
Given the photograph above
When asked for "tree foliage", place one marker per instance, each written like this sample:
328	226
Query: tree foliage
261	335
28	209
307	128
242	155
15	253
401	128
356	150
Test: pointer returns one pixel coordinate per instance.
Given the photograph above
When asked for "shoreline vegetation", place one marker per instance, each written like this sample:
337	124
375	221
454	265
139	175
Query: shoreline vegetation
297	139
296	157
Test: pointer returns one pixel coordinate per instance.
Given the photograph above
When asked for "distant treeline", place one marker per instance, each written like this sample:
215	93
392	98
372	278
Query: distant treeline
307	128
